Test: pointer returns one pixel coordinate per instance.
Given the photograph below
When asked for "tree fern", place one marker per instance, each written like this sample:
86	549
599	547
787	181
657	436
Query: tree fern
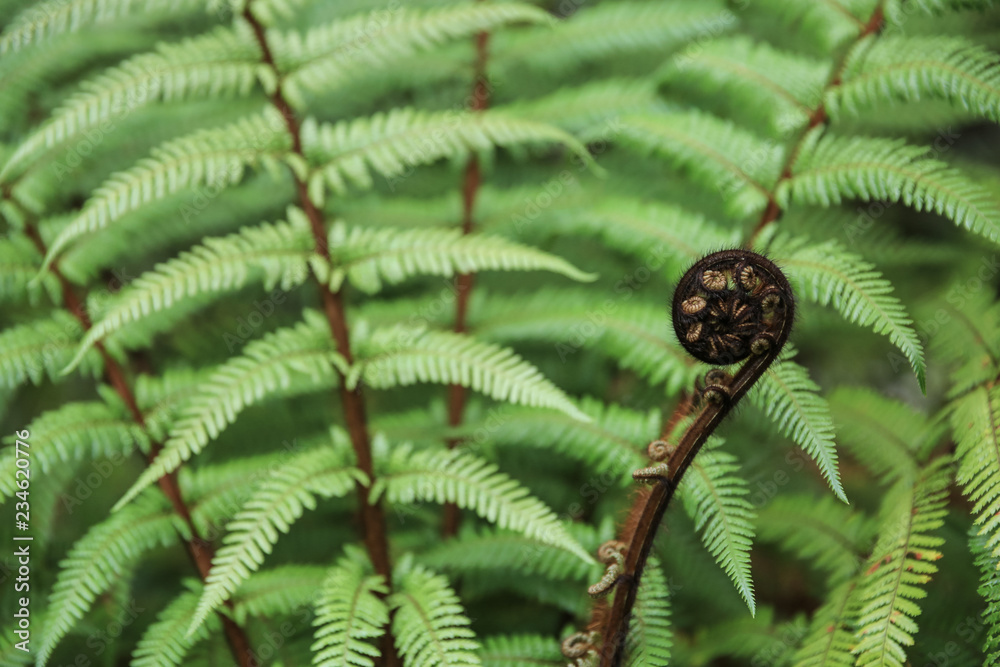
790	398
902	561
472	483
367	257
716	499
831	169
828	273
429	624
350	612
272	509
404	355
289	361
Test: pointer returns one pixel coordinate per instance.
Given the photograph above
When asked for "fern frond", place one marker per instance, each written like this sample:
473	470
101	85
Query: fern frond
108	550
220	64
367	257
607	30
429	624
390	143
716	500
816	27
275	254
830	640
825	534
650	635
40	349
902	562
164	643
831	169
74	432
630	332
215	157
789	397
272	509
324	58
713	153
289	361
938	7
161	397
350	613
989	590
50	18
453	476
19	262
404	355
829	273
887	436
612	440
277	591
521	651
772	89
908	69
975	422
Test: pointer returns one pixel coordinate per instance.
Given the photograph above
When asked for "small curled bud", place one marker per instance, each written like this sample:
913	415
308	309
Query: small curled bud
651	475
659	450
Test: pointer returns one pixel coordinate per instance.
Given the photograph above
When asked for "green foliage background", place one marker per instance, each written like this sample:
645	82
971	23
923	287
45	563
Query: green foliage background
230	224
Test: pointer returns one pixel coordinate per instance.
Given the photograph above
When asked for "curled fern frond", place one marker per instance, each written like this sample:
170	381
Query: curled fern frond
367	257
830	169
453	476
429	624
289	361
403	355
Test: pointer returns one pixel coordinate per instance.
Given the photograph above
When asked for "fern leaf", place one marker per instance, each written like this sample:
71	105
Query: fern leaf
367	257
40	349
828	273
164	643
650	635
521	651
388	144
824	533
272	509
286	362
975	422
789	397
771	89
706	150
989	589
902	562
831	169
74	432
830	640
217	157
630	332
277	591
19	262
909	69
402	355
350	613
275	254
453	476
50	18
222	63
717	502
98	559
429	624
324	58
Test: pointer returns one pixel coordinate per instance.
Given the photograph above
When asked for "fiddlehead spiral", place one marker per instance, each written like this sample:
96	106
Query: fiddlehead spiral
611	553
580	648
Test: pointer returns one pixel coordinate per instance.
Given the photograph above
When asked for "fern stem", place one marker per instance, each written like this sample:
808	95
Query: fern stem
817	117
371	514
199	549
464	281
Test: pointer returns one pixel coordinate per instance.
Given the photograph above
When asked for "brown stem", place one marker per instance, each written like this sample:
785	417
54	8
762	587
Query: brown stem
372	516
464	281
199	550
818	117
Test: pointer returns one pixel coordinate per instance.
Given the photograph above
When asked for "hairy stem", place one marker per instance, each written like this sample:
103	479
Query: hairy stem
199	549
464	281
372	516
